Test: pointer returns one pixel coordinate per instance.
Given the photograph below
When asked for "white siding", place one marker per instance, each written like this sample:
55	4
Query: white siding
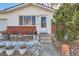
3	22
3	16
3	25
13	18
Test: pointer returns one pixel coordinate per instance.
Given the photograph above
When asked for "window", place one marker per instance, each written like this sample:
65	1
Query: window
33	20
43	21
27	20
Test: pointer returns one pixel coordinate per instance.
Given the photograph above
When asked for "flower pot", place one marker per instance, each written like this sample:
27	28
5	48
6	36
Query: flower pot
10	52
36	53
2	50
65	49
22	51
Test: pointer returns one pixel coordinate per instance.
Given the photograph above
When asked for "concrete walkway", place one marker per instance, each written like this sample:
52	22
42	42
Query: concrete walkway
48	49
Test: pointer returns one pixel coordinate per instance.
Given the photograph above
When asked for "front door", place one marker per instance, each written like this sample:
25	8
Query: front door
43	24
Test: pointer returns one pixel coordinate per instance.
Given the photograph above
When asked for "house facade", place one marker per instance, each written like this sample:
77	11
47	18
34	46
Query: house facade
26	18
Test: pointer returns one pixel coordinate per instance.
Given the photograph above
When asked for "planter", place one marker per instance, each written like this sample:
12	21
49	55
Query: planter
2	49
35	51
22	49
65	49
10	50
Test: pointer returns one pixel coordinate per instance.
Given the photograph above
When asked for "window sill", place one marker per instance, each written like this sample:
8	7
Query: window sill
27	25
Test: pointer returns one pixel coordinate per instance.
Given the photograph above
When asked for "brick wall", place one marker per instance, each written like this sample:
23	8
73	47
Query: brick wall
53	28
21	29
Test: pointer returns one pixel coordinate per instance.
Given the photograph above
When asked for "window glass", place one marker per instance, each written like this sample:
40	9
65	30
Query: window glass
33	20
43	21
21	20
27	20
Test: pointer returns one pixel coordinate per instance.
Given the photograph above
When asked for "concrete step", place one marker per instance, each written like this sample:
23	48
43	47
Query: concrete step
45	38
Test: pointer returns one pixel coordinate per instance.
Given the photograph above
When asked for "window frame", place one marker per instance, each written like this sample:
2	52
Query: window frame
23	24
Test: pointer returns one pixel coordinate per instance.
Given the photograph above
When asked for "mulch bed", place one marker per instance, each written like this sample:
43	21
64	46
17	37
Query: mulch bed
74	46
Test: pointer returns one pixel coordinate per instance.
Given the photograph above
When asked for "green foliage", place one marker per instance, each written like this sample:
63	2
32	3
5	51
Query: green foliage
75	21
67	22
64	12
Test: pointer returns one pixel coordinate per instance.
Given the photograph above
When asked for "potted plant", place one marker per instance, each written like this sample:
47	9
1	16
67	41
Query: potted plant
22	49
30	37
10	50
2	48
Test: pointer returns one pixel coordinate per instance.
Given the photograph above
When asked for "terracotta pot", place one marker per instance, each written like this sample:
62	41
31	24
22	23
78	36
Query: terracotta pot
65	49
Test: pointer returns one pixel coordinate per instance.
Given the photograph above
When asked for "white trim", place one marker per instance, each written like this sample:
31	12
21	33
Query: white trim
44	7
27	25
50	9
15	7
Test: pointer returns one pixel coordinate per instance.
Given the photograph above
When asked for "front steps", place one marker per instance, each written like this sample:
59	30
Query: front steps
45	38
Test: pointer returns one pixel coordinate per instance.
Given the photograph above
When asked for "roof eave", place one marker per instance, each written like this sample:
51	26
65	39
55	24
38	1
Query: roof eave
22	4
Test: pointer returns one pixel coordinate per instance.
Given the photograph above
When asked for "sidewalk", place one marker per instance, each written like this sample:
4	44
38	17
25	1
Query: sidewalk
48	49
